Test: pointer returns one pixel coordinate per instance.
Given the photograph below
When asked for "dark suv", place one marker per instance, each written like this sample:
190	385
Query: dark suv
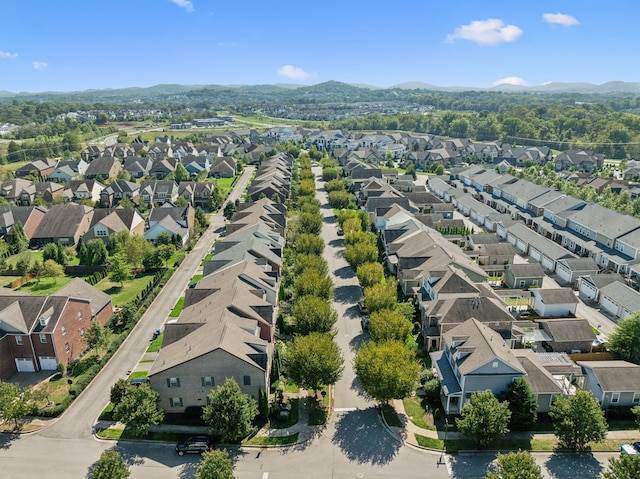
194	445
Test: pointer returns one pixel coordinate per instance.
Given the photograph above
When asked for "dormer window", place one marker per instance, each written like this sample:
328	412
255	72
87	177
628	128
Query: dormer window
44	320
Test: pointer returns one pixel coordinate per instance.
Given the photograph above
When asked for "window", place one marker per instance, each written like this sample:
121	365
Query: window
63	329
79	314
101	233
615	398
176	402
494	364
534	282
82	332
207	381
636	398
19	340
173	382
43	338
246	380
67	348
522	283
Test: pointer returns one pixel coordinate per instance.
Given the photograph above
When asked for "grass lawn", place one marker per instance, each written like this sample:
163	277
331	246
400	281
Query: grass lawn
138	375
225	184
107	413
155	345
196	278
5	280
45	286
271	441
292	419
121	295
415	411
31	255
208	257
16	165
177	309
516	301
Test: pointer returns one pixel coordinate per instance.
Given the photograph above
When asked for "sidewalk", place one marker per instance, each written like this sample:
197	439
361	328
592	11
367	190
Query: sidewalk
408	432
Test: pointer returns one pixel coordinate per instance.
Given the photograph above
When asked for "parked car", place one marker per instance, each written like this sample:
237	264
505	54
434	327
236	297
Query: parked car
361	307
340	232
631	449
139	381
364	323
194	445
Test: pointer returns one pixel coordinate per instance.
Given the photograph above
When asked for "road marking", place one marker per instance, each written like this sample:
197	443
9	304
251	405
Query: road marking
345	409
265	475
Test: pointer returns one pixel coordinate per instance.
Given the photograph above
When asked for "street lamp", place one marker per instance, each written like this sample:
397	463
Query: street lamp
444	444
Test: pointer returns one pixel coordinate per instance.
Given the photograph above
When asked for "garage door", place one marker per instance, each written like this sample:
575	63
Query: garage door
48	363
25	365
535	254
548	263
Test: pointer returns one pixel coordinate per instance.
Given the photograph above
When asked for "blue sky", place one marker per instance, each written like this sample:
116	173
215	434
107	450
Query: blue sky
68	45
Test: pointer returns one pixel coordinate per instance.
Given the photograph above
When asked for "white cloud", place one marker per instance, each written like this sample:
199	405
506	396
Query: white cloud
295	73
560	19
39	65
186	4
511	81
486	32
8	55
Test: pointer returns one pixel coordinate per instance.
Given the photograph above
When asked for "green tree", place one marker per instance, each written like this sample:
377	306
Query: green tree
341	199
95	253
201	217
53	270
230	412
369	274
97	336
17	239
389	325
313	314
624	341
14	403
166	251
119	270
360	253
334	185
314	361
126	202
181	173
229	210
578	420
138	409
624	467
182	202
164	238
380	296
110	466
50	251
387	370
215	465
439	170
410	169
522	404
216	198
484	418
309	223
312	283
515	465
309	244
118	391
310	261
61	255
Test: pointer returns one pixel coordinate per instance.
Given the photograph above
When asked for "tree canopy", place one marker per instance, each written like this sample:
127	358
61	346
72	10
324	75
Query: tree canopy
229	412
484	418
388	325
110	466
522	404
313	314
215	464
138	409
515	465
314	361
624	467
624	341
578	420
386	370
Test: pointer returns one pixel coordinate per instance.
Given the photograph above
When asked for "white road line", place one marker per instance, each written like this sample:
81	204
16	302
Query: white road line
345	409
265	475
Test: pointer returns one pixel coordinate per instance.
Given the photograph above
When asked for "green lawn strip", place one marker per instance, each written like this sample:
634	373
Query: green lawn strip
33	256
45	286
291	420
121	295
292	387
196	278
177	309
107	413
155	345
271	440
390	416
226	184
138	375
208	257
415	411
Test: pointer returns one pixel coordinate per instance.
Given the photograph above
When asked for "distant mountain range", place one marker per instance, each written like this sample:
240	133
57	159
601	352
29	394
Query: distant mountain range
355	91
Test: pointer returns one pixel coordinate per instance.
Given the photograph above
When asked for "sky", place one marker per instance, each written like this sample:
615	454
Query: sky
71	45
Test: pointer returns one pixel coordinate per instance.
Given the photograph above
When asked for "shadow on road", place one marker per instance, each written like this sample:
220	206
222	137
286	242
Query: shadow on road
355	386
570	465
7	439
347	294
356	341
469	466
344	273
364	440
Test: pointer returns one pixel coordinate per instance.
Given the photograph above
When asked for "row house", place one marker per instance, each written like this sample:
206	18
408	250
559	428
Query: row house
66	171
